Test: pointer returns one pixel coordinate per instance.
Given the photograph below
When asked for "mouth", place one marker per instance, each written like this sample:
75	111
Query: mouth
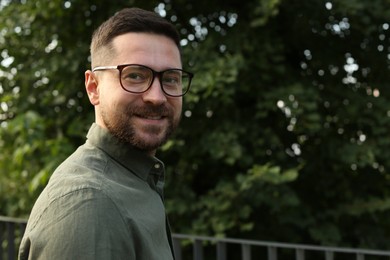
151	117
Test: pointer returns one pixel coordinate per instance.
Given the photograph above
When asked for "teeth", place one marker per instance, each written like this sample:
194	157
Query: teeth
154	117
151	117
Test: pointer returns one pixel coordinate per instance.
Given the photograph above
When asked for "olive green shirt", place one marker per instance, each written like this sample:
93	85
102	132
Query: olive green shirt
104	202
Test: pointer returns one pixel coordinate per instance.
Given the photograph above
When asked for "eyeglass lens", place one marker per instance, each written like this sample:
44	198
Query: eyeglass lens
138	79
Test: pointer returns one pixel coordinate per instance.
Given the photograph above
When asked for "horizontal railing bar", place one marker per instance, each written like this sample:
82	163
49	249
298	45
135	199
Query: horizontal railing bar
14	220
284	245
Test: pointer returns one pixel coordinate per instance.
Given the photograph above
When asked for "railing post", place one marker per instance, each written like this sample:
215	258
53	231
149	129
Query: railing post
299	254
328	255
11	240
272	253
221	251
22	228
359	256
198	250
1	239
177	248
246	252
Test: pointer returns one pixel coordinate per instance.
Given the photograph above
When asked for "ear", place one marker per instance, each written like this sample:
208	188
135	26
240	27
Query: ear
91	86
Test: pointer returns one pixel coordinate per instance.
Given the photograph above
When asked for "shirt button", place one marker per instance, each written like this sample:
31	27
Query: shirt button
157	166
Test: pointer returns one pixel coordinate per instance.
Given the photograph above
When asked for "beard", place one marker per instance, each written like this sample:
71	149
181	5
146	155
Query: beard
121	125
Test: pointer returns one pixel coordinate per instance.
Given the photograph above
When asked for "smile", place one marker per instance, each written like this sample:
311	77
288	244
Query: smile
153	117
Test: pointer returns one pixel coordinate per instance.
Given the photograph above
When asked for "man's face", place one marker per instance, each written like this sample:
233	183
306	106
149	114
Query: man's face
143	120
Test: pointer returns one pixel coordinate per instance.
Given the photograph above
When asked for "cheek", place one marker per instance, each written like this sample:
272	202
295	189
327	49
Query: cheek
176	106
115	98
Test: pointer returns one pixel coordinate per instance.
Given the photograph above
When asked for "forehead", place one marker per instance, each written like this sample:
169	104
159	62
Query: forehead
156	51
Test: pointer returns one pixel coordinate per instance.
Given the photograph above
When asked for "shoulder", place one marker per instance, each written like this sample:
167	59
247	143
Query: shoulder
82	169
82	205
76	185
82	224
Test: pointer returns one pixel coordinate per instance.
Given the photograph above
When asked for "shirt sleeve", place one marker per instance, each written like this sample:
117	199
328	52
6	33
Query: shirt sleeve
84	224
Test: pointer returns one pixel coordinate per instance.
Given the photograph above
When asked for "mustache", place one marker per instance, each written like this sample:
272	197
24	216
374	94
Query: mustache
149	110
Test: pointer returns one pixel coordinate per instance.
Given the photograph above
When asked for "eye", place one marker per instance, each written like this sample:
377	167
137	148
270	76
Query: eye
172	78
136	74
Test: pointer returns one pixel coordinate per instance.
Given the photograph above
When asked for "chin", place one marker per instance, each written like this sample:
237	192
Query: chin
149	142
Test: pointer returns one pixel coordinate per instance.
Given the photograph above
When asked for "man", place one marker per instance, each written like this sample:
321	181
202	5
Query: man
105	201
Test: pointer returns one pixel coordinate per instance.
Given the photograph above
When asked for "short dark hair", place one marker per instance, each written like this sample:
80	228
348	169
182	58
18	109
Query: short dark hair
125	21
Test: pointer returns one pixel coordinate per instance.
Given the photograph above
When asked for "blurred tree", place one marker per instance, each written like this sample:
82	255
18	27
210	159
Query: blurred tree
283	136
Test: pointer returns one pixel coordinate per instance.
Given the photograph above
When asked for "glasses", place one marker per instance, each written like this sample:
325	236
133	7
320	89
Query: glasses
135	78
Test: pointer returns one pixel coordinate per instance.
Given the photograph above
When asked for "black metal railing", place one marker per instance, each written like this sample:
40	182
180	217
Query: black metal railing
203	247
207	248
11	232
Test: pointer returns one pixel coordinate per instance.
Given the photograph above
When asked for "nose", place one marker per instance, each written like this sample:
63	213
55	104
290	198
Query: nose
154	94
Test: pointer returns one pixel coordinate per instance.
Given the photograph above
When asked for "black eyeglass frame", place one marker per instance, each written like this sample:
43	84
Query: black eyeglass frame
155	74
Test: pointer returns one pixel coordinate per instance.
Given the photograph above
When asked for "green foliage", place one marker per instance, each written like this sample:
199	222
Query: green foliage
230	204
284	133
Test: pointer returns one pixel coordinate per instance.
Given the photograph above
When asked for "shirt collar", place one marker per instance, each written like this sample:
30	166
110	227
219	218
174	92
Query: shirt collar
138	162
